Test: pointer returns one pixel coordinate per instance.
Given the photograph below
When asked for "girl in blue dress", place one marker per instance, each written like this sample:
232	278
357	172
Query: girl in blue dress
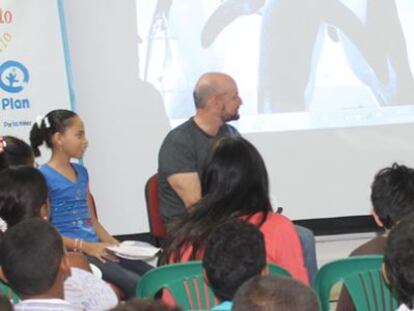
71	206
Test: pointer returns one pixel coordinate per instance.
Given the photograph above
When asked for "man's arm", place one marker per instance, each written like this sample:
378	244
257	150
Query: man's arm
187	186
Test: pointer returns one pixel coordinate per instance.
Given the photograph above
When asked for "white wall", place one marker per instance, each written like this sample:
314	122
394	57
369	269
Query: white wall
314	174
328	173
124	130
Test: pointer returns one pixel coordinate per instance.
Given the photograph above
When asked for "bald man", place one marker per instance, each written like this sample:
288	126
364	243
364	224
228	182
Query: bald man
186	147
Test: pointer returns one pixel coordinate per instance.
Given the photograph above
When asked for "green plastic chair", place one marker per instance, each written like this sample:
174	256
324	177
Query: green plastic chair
187	284
369	291
277	270
193	293
160	277
8	292
336	271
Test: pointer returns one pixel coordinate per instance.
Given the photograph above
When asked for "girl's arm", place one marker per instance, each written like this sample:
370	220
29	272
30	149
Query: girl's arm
97	249
103	235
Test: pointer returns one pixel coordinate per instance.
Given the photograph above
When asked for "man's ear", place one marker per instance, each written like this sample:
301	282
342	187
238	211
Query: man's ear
2	276
377	219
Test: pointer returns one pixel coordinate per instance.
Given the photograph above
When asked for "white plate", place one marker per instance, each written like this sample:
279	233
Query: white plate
134	250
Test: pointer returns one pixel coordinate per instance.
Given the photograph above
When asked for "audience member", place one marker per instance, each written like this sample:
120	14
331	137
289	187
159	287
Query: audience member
399	262
14	151
33	261
24	195
235	252
392	198
235	186
185	149
275	293
144	305
71	208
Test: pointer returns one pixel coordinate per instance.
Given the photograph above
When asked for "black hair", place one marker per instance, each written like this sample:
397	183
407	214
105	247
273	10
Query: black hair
23	191
234	184
235	252
30	254
392	193
399	260
271	293
54	122
145	305
15	152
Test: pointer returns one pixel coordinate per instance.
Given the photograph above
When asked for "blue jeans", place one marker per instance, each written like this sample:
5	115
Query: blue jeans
307	239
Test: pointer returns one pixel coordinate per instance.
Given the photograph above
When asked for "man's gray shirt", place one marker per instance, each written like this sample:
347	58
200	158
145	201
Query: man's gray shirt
185	149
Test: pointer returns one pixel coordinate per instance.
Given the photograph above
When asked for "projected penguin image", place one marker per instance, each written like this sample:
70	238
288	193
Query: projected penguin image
291	40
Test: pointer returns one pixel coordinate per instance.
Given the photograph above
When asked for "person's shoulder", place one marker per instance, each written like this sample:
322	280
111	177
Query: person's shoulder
79	167
80	170
374	246
44	168
47	171
230	130
278	217
225	305
276	221
403	307
179	133
183	128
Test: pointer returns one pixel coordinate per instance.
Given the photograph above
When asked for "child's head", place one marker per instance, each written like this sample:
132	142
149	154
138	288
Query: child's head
267	293
235	252
398	260
145	305
62	130
32	258
23	194
392	194
14	151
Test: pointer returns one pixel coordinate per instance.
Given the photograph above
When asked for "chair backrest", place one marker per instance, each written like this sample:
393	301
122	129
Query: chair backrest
336	271
160	277
8	292
277	270
370	292
157	226
187	284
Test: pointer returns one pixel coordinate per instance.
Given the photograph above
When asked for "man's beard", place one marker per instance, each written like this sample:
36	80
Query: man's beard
235	116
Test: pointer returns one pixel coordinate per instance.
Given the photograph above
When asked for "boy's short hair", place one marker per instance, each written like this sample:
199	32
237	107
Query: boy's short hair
271	293
23	192
399	260
145	305
30	256
234	253
392	193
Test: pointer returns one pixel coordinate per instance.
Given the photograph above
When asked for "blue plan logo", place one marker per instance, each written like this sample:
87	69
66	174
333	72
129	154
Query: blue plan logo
14	76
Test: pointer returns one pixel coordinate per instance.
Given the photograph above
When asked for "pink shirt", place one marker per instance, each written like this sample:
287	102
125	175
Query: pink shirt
282	245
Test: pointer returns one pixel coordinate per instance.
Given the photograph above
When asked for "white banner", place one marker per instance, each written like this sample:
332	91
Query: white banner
34	64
